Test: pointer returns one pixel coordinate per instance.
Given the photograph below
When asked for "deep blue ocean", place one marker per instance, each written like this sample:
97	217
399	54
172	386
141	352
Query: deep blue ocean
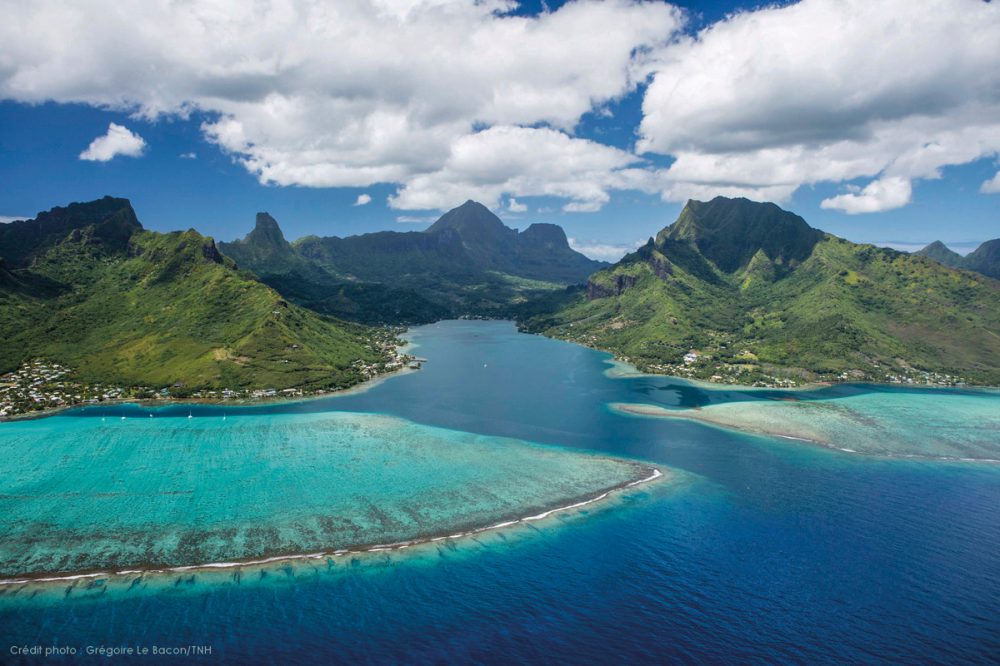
759	551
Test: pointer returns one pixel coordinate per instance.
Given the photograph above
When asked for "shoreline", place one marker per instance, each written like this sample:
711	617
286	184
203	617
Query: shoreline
690	414
575	503
624	370
360	387
618	363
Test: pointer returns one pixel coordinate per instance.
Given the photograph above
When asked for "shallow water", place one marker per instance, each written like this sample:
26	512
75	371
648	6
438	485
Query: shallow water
961	425
763	550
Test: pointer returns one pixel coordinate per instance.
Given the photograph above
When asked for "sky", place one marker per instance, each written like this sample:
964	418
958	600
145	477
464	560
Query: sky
876	121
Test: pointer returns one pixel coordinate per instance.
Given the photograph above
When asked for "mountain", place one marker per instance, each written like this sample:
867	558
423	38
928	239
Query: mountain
985	259
745	291
88	287
942	254
467	262
267	253
540	252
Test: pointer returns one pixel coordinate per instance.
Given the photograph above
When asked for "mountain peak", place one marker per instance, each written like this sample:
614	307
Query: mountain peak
113	220
266	232
471	219
544	232
264	220
729	232
941	253
985	259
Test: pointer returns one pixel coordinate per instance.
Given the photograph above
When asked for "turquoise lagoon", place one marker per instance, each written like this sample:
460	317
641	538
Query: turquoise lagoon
921	423
156	489
758	549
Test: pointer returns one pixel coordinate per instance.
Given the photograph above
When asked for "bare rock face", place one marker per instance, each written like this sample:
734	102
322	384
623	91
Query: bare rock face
210	252
618	285
661	267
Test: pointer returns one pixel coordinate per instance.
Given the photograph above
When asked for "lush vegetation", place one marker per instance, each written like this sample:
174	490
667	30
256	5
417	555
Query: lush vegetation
719	294
123	305
466	263
984	259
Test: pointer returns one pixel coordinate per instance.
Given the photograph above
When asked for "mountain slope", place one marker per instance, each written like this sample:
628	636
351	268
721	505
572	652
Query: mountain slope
942	254
540	252
129	306
266	253
752	304
468	262
984	260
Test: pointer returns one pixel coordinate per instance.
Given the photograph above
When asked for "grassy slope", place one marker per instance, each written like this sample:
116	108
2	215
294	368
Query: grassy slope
843	308
164	312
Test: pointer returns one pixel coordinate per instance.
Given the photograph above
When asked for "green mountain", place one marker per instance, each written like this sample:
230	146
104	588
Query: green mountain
266	253
985	259
88	287
942	254
744	291
540	252
468	262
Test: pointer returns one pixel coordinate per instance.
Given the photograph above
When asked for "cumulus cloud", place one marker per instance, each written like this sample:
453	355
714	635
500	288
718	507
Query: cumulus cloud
603	251
514	206
338	94
415	219
527	160
6	219
363	200
118	140
827	90
991	186
878	195
452	99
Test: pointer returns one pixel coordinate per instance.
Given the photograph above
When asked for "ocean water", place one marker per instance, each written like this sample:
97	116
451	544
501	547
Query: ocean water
757	550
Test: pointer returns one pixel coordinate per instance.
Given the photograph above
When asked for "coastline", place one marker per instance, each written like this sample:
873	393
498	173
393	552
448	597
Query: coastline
624	370
811	437
651	474
360	387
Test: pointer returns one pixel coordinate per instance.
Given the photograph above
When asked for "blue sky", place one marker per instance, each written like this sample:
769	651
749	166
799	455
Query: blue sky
628	143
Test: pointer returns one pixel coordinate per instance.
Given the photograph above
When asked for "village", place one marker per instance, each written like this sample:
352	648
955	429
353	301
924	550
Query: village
42	385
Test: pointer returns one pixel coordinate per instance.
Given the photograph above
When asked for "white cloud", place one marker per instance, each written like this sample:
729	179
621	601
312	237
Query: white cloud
118	140
583	206
827	90
188	156
363	200
878	195
961	247
603	251
415	219
516	207
6	219
337	94
360	92
529	161
991	186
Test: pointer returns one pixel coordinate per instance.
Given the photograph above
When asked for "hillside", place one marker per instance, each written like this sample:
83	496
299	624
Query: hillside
742	291
88	287
468	262
984	260
267	253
